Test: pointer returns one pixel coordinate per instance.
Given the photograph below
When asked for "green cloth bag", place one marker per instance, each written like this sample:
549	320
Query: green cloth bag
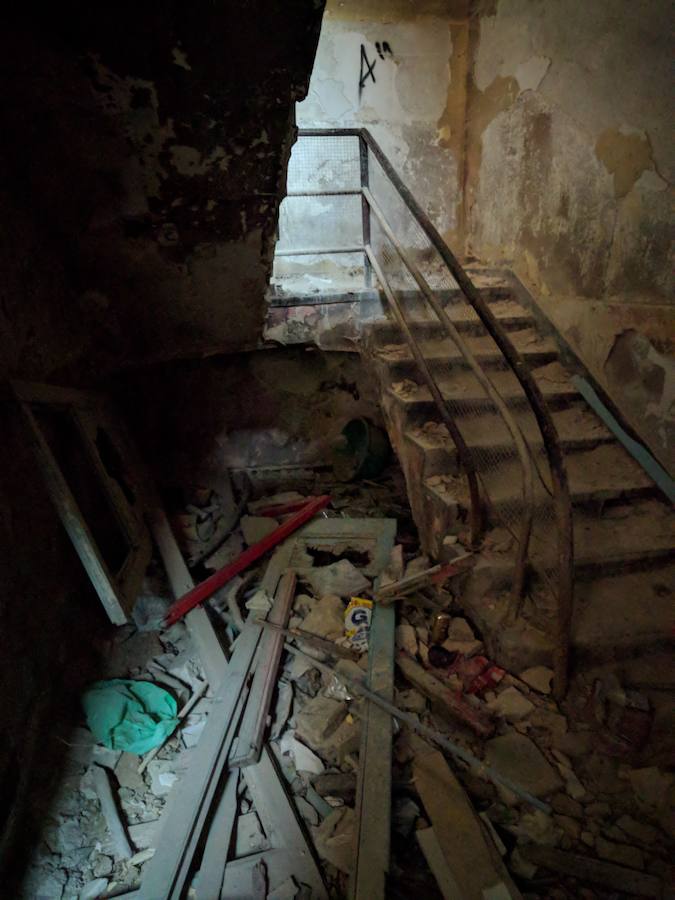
135	716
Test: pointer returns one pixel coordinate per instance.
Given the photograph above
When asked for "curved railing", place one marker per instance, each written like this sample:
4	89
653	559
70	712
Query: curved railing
363	179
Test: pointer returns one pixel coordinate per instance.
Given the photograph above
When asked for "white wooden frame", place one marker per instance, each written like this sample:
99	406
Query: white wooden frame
90	411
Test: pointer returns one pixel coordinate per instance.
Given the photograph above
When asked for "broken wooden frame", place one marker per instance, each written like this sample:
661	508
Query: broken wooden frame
89	418
291	845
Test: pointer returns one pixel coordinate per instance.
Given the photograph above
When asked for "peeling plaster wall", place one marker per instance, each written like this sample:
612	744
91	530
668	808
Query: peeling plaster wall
143	158
569	169
571	154
414	108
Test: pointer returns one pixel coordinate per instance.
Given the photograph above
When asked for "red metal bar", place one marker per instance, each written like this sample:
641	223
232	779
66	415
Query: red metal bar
282	509
204	590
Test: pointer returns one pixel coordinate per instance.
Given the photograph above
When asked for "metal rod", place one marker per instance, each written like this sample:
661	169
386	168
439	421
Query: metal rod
475	517
527	488
365	210
353	192
479	767
318	251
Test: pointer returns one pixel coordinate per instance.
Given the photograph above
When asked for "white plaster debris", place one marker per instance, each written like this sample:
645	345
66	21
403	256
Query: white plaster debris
305	760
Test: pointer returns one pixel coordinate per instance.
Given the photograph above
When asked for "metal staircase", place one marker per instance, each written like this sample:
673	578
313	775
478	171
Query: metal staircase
498	447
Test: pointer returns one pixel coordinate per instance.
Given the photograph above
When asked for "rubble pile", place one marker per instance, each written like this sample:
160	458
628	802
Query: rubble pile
590	815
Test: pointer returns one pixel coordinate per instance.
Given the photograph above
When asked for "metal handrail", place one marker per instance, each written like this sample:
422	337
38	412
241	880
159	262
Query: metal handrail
549	434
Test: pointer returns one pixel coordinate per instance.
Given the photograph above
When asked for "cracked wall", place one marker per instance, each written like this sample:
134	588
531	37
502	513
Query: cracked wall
569	169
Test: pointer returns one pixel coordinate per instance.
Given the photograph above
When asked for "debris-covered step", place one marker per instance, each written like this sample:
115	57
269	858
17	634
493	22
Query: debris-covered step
598	475
510	315
464	393
625	537
642	606
578	429
441	352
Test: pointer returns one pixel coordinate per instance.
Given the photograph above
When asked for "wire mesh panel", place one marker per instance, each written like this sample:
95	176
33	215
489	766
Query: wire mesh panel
327	163
320	245
480	420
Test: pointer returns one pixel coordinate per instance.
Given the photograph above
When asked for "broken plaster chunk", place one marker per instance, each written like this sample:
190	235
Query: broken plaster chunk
517	757
334	838
250	837
327	617
90	891
304	759
621	854
304	603
539	678
341	578
639	831
461	639
255	528
411	700
260	602
511	704
406	638
318	719
162	776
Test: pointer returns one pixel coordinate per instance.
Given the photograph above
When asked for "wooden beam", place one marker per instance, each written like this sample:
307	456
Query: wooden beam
373	792
475	865
283	826
214	860
166	874
209	648
252	729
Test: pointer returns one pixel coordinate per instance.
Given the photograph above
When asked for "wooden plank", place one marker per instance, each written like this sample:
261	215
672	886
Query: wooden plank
92	413
251	733
595	871
373	792
283	826
280	865
167	872
445	701
474	865
426	838
214	860
101	577
205	639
